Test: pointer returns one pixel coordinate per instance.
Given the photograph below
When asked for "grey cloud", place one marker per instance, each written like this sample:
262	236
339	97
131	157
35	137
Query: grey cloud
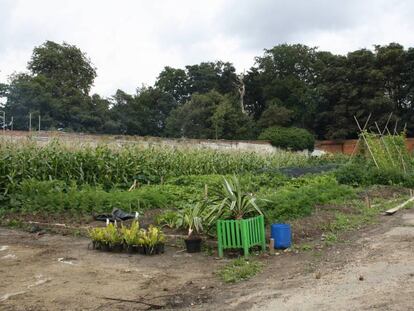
264	23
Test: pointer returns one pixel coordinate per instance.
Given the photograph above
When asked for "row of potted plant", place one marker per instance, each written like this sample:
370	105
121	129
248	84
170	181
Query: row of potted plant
131	239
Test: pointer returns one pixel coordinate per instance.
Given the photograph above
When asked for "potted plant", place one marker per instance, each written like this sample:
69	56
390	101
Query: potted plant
97	237
113	238
131	237
152	240
240	222
192	218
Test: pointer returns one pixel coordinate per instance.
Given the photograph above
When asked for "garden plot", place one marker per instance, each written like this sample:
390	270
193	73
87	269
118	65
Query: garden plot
180	196
38	280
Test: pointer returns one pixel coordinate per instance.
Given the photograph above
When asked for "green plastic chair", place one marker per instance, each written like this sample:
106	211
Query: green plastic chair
242	233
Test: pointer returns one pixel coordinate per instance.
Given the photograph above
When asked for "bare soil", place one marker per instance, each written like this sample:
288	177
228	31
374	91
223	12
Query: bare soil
369	269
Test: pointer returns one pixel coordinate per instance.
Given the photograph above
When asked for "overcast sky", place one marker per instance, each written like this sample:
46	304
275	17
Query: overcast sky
130	41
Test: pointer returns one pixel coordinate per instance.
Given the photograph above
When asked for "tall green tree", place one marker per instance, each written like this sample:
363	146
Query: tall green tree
210	115
65	64
57	88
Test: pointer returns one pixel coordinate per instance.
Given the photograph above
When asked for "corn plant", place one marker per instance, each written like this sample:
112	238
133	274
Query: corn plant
111	166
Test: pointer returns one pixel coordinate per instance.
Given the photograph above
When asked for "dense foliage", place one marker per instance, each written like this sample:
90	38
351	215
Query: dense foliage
289	138
119	167
289	85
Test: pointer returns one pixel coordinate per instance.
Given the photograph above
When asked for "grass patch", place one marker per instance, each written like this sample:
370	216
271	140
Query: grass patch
363	215
239	270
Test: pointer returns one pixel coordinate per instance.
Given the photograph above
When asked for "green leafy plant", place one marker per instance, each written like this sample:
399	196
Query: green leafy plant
293	201
151	238
168	219
233	202
97	234
289	138
192	218
239	269
112	235
131	235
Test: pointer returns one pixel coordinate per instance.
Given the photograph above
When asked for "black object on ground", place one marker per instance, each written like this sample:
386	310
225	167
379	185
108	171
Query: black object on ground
193	245
117	214
300	171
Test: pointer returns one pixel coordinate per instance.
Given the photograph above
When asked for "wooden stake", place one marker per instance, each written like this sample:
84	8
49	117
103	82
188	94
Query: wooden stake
367	201
134	185
385	145
357	144
386	124
272	246
366	142
399	152
395	209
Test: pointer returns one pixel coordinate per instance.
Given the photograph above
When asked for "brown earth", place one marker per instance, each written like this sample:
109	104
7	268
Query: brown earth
370	269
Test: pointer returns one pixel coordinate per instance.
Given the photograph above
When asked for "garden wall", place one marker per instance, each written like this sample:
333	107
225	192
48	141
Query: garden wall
347	146
331	146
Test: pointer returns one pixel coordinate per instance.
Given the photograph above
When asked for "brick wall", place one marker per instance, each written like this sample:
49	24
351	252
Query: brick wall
347	146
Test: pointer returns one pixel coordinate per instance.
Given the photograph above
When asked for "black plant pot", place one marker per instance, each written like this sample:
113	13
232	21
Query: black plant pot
141	249
156	249
117	248
193	245
96	245
105	247
131	249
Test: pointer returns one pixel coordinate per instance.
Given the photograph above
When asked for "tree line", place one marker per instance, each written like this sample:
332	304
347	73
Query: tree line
290	85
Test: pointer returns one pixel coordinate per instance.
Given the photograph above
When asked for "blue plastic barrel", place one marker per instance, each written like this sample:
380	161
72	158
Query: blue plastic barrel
282	235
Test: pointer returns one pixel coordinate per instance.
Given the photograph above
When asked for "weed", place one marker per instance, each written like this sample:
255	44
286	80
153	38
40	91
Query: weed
330	238
239	270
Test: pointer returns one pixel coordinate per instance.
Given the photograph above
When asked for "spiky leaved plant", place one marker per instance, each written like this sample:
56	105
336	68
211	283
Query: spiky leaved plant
233	202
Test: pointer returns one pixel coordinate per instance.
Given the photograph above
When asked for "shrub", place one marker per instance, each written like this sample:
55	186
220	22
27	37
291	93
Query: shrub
289	138
351	174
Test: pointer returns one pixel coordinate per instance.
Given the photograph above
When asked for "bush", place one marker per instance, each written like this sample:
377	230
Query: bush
289	138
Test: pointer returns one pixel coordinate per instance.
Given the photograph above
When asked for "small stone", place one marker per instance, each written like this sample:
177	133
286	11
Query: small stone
318	275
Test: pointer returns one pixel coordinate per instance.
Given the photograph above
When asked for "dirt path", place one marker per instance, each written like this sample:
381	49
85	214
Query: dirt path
53	272
379	275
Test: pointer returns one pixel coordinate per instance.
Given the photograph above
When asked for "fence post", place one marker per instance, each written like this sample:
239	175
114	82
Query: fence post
220	241
245	238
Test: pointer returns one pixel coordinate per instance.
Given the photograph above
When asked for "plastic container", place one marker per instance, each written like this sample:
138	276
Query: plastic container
282	235
193	245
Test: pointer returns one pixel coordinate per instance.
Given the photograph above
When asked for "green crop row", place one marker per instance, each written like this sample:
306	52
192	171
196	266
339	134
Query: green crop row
119	167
